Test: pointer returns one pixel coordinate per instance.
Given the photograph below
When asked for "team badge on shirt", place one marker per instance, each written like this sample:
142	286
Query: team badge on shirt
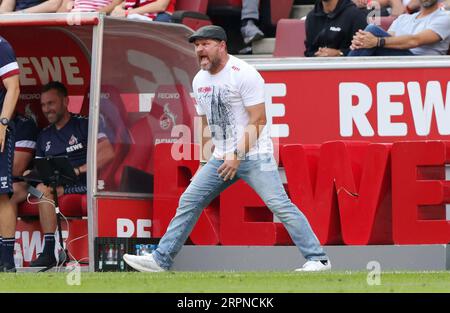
73	140
48	145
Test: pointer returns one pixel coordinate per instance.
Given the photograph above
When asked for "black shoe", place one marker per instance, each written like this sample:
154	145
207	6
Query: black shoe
44	260
8	268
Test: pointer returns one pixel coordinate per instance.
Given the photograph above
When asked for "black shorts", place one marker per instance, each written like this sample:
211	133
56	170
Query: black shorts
7	161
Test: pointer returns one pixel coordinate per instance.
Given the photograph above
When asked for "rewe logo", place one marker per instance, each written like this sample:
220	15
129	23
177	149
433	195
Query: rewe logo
38	71
422	109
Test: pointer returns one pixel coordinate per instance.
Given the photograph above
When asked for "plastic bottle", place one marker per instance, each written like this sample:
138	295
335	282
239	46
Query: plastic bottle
100	260
110	255
115	254
122	252
18	256
144	250
138	249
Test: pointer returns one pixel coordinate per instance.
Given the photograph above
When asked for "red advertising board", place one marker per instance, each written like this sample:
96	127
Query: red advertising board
383	105
125	218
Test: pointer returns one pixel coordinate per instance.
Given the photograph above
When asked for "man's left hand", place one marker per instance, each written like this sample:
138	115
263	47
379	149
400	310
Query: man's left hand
327	52
229	167
363	39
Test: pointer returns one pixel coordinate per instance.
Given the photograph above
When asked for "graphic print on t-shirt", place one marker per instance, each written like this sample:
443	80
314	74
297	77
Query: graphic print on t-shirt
221	120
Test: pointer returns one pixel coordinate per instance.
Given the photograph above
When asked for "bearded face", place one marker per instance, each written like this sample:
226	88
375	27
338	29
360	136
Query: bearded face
209	54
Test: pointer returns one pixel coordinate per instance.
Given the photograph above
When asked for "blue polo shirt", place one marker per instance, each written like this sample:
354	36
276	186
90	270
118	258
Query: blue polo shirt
70	141
8	66
26	133
25	4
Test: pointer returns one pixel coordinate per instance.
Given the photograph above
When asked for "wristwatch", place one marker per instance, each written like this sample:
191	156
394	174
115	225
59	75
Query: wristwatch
239	154
4	121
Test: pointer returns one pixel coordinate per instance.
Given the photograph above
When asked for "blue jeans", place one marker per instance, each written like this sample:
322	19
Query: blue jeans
163	17
262	175
378	32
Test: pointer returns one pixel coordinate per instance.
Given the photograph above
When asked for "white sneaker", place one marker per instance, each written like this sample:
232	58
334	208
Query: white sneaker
314	266
143	263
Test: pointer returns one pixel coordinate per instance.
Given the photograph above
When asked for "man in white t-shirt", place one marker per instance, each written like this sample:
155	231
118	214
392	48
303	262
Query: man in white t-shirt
230	99
426	32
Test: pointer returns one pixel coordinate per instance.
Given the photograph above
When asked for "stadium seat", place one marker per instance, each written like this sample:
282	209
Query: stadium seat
191	13
84	205
140	154
280	9
69	205
290	38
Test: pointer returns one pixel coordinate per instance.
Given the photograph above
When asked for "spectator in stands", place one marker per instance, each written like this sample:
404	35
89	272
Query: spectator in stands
330	27
249	19
426	32
446	5
147	10
9	94
67	134
386	7
105	6
30	6
26	132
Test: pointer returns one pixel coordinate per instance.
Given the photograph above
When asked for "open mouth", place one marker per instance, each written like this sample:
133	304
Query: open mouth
203	60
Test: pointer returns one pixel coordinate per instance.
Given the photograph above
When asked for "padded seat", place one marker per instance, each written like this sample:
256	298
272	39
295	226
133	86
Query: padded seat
70	205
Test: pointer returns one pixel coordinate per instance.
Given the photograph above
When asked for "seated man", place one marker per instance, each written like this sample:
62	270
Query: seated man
26	132
67	135
147	10
105	6
330	27
426	32
29	6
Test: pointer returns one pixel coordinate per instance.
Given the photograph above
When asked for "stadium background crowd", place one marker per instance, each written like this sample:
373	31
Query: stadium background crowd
250	28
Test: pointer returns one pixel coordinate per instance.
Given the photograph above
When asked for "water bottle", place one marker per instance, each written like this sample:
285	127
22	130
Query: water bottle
115	255
144	250
100	259
122	252
110	255
138	249
18	256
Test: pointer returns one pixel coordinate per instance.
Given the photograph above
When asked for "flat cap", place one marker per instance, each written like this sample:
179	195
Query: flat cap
209	32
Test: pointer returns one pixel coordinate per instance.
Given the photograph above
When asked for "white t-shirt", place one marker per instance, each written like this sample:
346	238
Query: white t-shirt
438	21
222	97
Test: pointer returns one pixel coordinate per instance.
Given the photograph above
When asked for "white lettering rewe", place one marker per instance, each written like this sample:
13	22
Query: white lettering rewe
40	70
356	104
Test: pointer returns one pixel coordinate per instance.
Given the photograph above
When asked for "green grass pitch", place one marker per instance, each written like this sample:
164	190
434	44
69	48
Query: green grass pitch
227	282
